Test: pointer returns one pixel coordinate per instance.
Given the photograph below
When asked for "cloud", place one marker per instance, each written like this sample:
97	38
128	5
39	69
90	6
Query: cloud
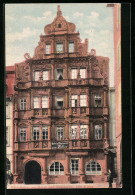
66	17
90	32
104	32
9	18
93	16
78	14
18	36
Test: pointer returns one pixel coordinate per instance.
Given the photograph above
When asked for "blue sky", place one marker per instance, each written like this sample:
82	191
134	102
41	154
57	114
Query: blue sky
25	22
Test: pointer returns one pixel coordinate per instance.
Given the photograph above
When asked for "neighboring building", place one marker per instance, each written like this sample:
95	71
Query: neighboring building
61	126
10	74
116	101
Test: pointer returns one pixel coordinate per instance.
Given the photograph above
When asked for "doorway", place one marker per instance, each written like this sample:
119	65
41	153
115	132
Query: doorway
32	174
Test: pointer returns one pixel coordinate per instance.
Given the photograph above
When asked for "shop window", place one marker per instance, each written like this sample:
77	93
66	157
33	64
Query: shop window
45	75
7	111
74	166
59	47
44	101
83	131
97	101
44	132
73	73
56	168
59	102
59	74
35	133
83	73
22	134
35	102
36	76
47	48
71	47
23	104
97	132
92	168
82	100
73	100
73	131
59	133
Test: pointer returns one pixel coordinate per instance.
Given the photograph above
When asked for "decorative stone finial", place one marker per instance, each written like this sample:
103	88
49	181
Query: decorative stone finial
58	11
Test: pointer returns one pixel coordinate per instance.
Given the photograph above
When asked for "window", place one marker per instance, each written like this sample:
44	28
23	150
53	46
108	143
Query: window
58	25
82	100
7	111
73	100
74	166
35	102
59	103
73	73
92	168
97	100
35	133
44	100
45	75
83	131
47	48
56	168
22	134
97	131
73	131
83	73
44	132
7	136
22	104
59	47
59	133
71	47
59	74
36	76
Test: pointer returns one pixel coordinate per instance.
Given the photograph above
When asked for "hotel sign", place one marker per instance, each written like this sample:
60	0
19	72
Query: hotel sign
60	145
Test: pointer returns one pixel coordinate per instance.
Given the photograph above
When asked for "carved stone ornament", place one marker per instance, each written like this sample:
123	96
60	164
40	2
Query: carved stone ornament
27	56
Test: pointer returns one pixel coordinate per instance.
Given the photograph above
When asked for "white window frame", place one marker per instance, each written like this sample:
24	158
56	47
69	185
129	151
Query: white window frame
73	131
36	75
73	100
98	132
83	131
71	47
45	75
7	110
59	47
59	133
35	102
83	73
73	73
35	132
97	98
47	48
60	168
90	171
22	103
22	134
83	100
74	170
45	132
44	101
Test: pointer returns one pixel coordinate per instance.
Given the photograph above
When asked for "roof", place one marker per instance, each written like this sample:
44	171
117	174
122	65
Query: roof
10	76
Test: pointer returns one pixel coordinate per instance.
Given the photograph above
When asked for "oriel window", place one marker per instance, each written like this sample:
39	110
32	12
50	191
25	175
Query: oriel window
23	104
73	73
83	73
82	100
71	47
44	132
22	134
59	47
35	133
73	100
59	102
47	48
45	75
44	100
59	133
97	132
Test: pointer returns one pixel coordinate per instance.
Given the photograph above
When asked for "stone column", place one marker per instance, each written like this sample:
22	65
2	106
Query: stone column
104	98
67	172
15	131
44	172
81	170
105	130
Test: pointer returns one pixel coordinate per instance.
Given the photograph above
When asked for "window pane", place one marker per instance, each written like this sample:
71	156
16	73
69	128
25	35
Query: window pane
56	169
36	75
59	74
73	131
36	102
73	73
83	73
82	100
44	101
73	100
59	47
22	104
22	134
83	131
71	47
47	48
45	75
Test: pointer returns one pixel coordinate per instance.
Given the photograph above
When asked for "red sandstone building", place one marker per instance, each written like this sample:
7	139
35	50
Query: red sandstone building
61	111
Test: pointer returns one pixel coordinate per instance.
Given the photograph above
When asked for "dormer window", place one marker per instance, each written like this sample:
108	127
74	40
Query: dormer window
47	48
59	47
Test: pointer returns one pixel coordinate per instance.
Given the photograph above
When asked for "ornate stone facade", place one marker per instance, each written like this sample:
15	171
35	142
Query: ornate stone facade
61	110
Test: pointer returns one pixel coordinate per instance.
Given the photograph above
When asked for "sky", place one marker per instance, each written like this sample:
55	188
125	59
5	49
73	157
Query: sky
24	23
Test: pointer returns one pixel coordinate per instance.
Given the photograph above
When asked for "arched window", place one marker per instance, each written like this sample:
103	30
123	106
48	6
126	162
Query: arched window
92	168
56	168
